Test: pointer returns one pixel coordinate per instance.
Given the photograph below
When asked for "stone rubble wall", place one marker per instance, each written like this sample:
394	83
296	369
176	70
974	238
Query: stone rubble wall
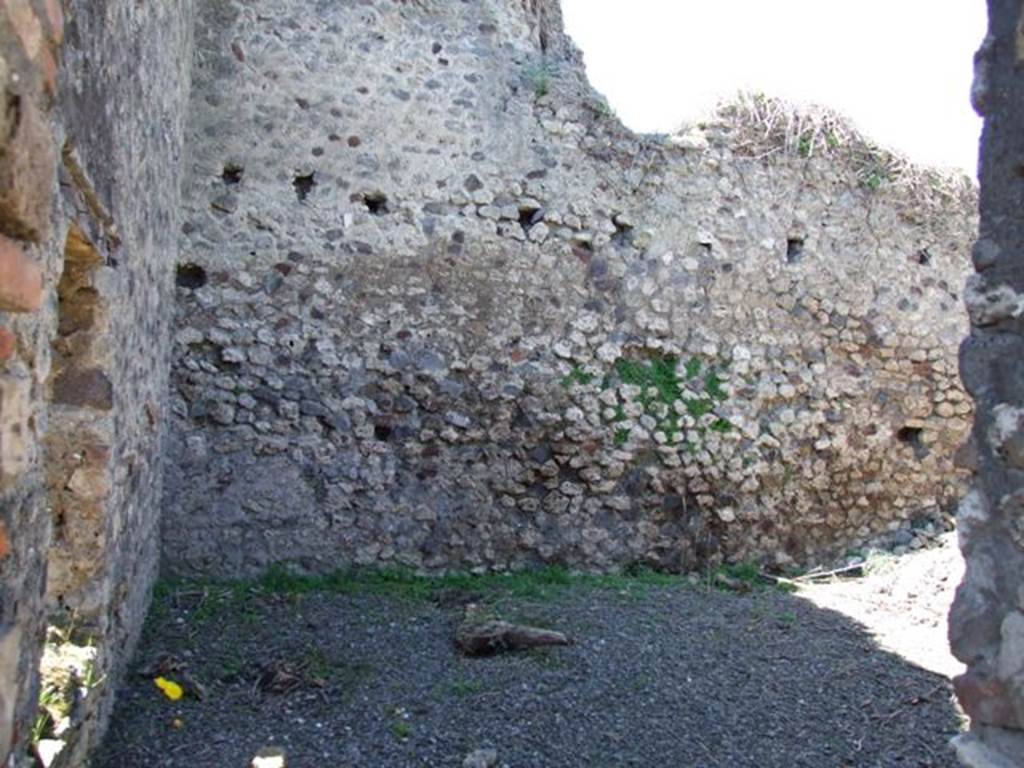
987	619
437	308
30	36
95	92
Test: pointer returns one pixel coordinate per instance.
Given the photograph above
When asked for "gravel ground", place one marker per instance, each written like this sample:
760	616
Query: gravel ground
659	675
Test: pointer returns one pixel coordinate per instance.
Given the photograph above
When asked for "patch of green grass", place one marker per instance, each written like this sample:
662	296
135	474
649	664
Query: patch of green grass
464	688
699	407
538	584
407	584
317	664
401	730
750	574
658	373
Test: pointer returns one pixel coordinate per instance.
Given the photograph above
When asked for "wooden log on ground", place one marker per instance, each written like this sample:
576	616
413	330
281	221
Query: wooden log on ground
488	637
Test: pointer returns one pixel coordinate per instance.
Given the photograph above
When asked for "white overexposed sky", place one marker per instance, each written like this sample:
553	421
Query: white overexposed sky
901	69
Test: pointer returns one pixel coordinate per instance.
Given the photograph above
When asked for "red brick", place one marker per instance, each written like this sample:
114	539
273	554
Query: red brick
8	343
5	542
48	70
21	281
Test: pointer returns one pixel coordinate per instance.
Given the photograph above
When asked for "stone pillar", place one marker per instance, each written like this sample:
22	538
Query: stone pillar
987	620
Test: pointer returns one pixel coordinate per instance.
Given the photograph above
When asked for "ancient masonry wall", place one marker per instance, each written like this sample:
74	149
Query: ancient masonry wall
437	308
91	124
987	620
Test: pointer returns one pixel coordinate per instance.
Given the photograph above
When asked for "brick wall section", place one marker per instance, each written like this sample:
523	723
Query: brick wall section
93	94
30	33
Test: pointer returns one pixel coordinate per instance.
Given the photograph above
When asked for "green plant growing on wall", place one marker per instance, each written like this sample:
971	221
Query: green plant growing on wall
601	107
693	366
661	387
668	392
577	376
539	77
713	387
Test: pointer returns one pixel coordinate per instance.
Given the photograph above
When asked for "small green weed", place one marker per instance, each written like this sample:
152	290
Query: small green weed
602	108
577	376
721	425
693	366
401	730
713	387
317	664
464	688
539	77
805	144
748	573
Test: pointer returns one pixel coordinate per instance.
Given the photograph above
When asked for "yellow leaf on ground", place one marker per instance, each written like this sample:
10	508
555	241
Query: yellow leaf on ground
171	689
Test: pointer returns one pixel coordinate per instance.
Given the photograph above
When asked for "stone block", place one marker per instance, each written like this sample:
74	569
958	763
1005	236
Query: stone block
988	701
21	280
27	170
90	483
15	410
84	388
10	679
26	25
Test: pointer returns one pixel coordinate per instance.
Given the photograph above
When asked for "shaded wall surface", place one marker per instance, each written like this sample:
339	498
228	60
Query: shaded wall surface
437	308
94	95
987	621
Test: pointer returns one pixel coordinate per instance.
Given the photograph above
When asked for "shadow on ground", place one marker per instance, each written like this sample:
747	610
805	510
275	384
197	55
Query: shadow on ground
660	675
